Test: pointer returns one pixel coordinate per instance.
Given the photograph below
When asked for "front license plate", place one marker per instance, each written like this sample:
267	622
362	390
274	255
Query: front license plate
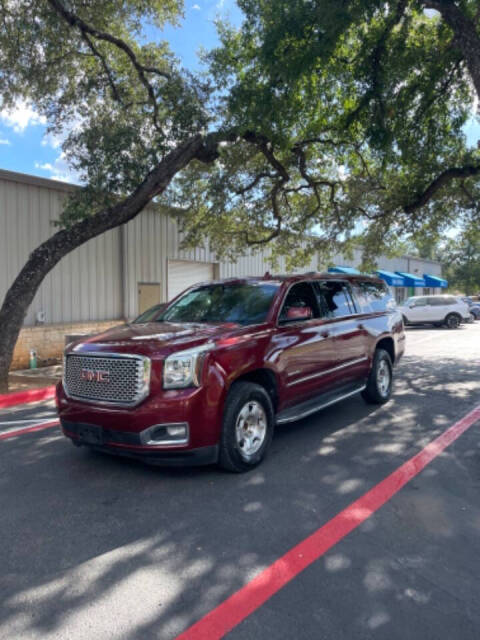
90	434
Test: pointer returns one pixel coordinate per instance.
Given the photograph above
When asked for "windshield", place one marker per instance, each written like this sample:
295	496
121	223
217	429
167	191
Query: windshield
242	303
150	315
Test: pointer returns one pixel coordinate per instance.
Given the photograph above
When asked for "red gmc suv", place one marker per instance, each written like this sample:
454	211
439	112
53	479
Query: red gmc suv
207	377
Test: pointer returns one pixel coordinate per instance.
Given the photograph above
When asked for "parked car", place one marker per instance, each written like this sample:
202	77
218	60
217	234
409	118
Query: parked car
475	310
473	307
437	310
206	379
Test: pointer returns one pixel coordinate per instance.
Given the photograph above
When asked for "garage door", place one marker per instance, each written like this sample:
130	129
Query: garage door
183	274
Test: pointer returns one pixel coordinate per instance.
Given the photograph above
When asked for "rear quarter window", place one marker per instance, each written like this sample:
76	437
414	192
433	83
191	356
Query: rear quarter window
373	297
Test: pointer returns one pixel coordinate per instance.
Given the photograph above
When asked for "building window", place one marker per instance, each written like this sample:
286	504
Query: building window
427	291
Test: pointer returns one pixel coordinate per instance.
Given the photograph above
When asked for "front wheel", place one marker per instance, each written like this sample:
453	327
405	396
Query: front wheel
452	321
379	384
247	432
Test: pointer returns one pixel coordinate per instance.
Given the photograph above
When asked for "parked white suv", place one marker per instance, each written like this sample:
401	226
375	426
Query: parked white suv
437	310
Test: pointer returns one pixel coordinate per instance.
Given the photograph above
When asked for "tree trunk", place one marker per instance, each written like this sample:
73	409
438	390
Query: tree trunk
42	260
467	37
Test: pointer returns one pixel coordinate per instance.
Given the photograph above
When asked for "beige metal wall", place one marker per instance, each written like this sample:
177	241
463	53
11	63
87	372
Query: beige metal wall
99	281
86	284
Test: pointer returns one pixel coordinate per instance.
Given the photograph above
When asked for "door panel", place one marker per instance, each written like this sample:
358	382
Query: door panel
306	355
303	351
418	312
350	337
149	294
351	347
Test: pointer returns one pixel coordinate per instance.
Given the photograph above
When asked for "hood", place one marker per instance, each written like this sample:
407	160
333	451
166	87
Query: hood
155	337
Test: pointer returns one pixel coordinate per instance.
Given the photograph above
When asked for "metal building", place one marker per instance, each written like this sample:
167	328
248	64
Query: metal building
128	269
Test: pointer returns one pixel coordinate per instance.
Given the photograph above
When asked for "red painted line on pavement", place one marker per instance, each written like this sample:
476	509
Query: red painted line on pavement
35	427
23	397
255	593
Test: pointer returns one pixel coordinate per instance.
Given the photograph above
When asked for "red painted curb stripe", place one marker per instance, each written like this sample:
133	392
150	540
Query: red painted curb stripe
246	600
35	427
22	397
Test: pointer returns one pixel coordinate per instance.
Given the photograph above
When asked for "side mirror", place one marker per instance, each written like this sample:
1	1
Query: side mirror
410	306
299	313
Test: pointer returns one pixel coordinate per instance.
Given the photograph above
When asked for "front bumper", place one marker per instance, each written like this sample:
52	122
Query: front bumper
127	443
200	408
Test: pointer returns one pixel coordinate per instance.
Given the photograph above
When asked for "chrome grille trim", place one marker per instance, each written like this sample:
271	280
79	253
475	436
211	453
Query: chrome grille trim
129	380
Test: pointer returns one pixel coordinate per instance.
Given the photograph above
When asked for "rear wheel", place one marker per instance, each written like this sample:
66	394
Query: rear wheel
452	321
247	432
379	384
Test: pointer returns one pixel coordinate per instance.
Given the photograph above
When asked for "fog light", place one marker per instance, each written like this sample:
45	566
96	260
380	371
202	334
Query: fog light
165	434
177	430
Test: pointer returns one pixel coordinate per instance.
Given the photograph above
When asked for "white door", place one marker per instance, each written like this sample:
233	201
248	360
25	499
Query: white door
183	274
419	311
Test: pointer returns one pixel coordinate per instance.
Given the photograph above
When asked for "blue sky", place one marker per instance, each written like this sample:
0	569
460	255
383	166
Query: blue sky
24	145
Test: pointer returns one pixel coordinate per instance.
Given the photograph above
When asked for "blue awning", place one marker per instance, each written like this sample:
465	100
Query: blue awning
412	280
435	281
393	279
349	270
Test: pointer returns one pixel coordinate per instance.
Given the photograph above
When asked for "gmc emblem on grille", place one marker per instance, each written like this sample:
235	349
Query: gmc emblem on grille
95	375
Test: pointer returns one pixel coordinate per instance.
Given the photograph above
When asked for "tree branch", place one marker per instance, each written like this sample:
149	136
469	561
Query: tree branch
86	29
440	181
265	146
466	36
106	68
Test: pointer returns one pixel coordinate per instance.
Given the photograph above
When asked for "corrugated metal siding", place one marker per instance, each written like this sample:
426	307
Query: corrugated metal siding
85	286
99	281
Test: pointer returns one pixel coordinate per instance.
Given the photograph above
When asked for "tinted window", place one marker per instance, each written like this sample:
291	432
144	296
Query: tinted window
419	302
299	295
450	300
373	296
334	299
240	303
436	302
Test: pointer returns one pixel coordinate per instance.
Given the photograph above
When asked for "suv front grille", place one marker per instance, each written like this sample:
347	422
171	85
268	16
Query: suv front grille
107	378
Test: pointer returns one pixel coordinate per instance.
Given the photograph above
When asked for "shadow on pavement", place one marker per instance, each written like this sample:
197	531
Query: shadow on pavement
107	547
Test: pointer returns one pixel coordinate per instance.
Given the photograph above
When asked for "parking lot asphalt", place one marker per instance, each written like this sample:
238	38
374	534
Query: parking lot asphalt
100	547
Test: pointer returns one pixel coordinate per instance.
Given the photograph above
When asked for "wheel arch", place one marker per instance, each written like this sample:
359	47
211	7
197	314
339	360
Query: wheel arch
388	345
264	377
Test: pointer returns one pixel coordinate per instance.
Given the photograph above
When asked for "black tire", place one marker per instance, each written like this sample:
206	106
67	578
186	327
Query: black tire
452	321
373	392
437	324
231	457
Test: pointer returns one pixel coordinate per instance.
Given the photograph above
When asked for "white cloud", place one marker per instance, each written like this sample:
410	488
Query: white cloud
197	7
5	141
59	170
52	140
46	166
21	117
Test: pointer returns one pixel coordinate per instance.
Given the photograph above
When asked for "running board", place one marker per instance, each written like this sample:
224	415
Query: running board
319	402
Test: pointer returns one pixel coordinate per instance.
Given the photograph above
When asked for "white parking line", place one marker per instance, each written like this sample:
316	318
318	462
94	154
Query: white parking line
11	433
10	422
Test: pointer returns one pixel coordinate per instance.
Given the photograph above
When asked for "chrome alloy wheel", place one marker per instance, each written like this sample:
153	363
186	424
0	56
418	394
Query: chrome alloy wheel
251	428
384	378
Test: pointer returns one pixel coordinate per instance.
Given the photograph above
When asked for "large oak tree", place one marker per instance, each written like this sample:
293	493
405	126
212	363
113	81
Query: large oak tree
334	118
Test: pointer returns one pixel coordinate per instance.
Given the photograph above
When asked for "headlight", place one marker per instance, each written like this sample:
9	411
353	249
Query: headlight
183	369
